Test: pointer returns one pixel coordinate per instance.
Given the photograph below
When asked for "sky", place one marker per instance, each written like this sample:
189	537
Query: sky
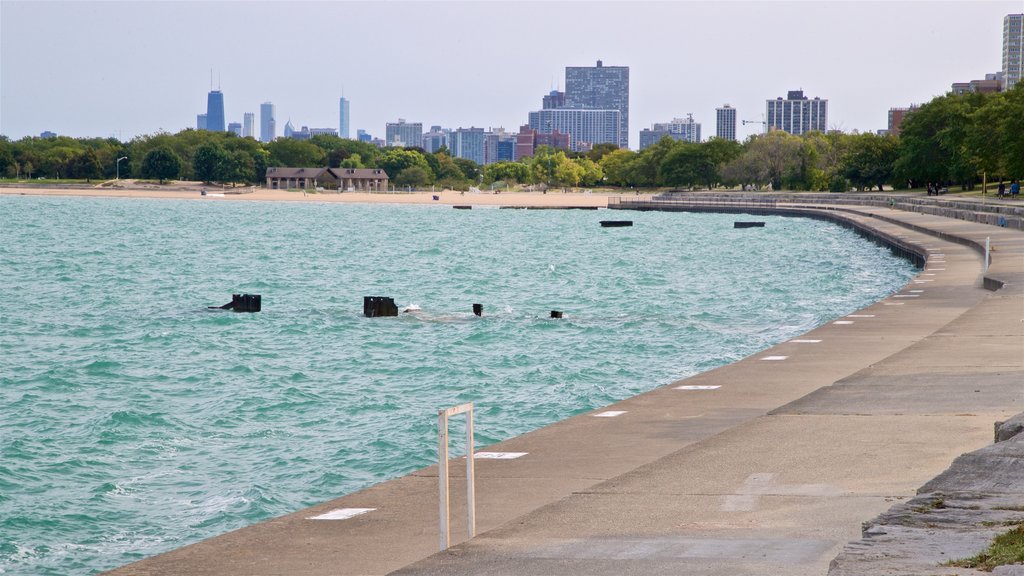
129	68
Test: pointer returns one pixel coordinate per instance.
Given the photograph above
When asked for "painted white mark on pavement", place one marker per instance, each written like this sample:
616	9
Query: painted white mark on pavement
893	303
774	357
843	322
691	387
805	341
917	291
860	315
906	296
609	414
499	455
341	514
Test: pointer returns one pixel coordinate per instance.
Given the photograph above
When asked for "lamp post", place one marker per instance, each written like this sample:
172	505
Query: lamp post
117	167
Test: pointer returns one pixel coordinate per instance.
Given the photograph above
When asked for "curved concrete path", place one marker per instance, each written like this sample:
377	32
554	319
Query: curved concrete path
767	465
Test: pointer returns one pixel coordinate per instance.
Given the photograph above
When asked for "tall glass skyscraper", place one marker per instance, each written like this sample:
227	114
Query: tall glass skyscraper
600	88
215	111
343	125
268	124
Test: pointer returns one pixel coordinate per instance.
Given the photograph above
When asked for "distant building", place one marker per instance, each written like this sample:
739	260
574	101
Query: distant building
288	129
468	143
896	117
725	123
200	121
796	114
553	99
305	133
215	111
268	122
235	127
499	146
599	88
248	125
990	85
341	179
404	134
683	129
362	136
343	124
528	140
585	127
435	139
48	134
1013	50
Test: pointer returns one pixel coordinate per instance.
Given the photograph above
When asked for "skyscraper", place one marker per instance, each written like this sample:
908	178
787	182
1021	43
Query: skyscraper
1013	50
402	133
235	127
268	125
725	122
468	143
600	88
248	125
200	121
585	127
215	111
796	114
681	129
343	125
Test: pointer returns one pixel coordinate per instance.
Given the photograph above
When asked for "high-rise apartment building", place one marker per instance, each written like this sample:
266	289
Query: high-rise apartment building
725	122
235	127
343	125
248	125
600	88
528	140
585	127
268	124
215	111
1013	50
435	139
402	133
200	121
469	143
554	99
796	114
896	117
682	129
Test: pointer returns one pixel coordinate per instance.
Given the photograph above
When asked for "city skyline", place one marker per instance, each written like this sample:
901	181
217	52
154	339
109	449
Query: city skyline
879	56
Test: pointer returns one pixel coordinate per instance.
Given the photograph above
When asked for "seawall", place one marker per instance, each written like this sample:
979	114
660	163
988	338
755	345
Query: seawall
767	465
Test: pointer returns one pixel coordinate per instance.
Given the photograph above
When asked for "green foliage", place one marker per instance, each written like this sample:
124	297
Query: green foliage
1007	548
295	153
85	165
395	160
871	160
211	163
413	176
508	172
161	163
470	170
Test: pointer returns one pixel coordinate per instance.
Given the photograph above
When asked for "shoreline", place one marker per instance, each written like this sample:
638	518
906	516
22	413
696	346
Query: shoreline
445	198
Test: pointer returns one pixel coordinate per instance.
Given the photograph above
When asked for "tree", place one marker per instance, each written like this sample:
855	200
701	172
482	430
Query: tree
513	172
617	167
161	163
395	160
683	165
470	170
413	176
85	165
593	175
238	167
288	152
871	160
211	163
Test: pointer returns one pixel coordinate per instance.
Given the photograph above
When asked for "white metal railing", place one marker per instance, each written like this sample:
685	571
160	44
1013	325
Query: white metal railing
442	471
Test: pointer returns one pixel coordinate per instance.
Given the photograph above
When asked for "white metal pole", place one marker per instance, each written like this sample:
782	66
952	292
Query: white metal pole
470	476
988	247
442	474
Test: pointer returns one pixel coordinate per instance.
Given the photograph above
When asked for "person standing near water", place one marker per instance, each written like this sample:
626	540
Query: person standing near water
1014	189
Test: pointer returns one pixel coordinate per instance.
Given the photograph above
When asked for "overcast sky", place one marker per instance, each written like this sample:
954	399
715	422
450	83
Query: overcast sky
84	68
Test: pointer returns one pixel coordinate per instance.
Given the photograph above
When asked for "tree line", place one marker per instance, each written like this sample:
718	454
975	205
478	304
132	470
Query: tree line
953	140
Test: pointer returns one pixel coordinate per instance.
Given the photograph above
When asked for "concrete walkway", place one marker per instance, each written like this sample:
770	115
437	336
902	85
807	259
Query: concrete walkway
767	465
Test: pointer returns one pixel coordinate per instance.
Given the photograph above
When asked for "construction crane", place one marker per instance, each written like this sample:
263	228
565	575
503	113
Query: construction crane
764	125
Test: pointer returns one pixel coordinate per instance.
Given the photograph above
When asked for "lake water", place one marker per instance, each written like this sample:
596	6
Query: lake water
134	420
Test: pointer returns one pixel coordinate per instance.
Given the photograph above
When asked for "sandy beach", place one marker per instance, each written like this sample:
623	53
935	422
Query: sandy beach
188	191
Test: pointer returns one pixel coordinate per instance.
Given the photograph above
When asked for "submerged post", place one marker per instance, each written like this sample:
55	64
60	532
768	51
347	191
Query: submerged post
442	472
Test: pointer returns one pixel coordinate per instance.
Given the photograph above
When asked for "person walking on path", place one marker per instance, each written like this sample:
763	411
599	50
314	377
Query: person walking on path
1002	190
1014	189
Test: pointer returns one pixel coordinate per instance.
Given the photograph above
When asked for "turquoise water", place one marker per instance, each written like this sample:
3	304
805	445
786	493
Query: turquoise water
133	420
